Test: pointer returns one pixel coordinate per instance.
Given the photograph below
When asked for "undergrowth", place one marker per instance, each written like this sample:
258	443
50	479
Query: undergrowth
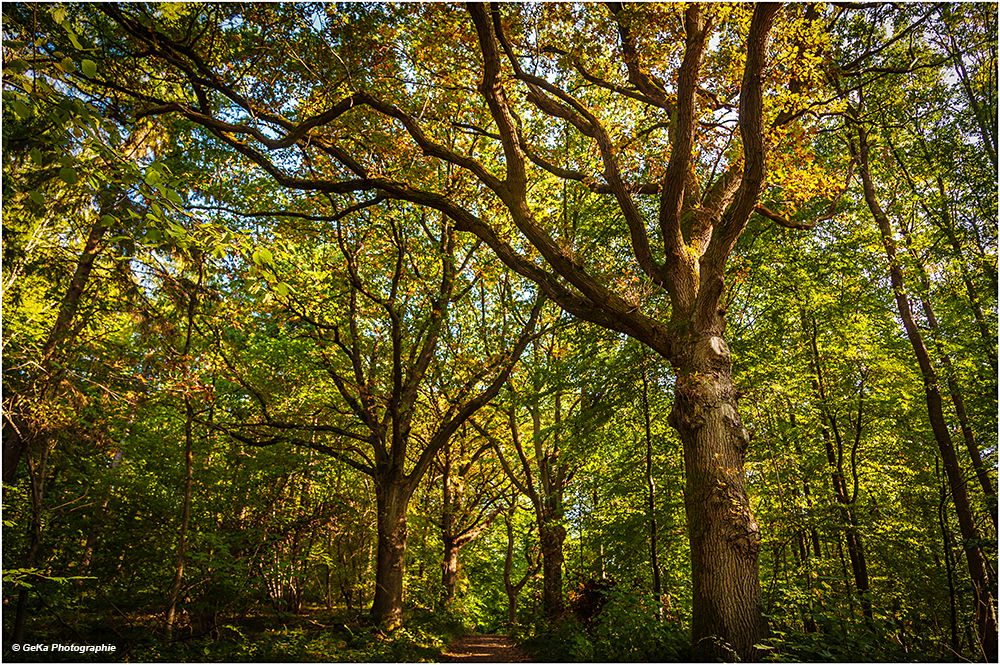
314	636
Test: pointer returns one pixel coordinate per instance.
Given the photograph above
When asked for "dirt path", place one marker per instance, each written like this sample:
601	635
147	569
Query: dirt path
485	649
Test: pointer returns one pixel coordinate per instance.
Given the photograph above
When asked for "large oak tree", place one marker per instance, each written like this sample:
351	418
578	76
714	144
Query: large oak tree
664	116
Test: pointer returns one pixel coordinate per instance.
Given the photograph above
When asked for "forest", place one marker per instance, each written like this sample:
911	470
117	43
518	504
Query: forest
607	331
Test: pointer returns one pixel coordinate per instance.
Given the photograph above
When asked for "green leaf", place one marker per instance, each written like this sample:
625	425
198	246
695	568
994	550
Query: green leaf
67	64
89	68
73	38
37	197
36	156
68	175
20	108
17	65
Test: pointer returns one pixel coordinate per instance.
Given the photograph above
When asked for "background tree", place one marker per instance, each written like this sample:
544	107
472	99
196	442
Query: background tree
311	191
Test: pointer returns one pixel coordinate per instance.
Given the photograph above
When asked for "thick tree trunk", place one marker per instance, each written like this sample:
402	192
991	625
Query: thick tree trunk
387	607
724	536
552	536
449	570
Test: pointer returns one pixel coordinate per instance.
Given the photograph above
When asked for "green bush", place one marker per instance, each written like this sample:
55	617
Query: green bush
629	629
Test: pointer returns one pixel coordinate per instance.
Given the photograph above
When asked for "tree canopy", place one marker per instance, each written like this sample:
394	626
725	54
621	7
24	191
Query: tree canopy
637	331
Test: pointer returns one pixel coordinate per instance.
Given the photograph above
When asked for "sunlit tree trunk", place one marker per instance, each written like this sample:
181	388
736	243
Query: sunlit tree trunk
725	538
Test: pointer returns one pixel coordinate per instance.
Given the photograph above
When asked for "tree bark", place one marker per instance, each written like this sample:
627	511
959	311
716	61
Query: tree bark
724	536
392	498
449	570
552	536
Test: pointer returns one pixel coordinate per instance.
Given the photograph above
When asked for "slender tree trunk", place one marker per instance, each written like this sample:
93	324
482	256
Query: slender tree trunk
71	299
986	125
36	479
806	488
834	445
392	498
175	587
510	588
855	546
449	562
985	609
951	381
18	431
948	559
93	531
945	222
724	536
654	560
989	339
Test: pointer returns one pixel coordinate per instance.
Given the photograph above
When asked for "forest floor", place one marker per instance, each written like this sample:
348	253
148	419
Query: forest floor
485	649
